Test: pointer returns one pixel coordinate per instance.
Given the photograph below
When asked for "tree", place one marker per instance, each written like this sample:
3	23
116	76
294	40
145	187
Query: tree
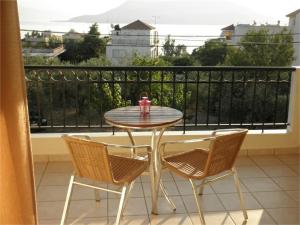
40	60
84	98
92	45
160	94
54	42
34	39
259	48
180	50
43	39
185	60
34	34
212	53
73	51
170	50
169	47
176	55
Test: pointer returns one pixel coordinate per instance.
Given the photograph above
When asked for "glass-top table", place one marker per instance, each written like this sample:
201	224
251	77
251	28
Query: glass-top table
159	119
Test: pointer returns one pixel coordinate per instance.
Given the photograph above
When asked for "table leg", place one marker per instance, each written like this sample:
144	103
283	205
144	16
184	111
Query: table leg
155	168
152	170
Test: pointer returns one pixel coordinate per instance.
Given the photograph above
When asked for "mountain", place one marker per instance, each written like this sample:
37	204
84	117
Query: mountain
207	12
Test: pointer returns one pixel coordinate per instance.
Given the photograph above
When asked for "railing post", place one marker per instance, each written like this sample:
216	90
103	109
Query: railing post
184	106
293	108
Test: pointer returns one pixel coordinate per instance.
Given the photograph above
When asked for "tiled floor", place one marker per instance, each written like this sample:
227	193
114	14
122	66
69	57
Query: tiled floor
270	185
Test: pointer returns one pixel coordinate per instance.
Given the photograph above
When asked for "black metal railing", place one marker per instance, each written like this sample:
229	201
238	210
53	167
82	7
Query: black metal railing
67	98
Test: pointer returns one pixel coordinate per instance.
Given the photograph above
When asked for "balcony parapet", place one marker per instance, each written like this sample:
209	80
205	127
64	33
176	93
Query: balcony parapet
68	98
260	141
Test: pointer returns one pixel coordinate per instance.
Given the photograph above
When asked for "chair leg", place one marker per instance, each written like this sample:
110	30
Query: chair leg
121	204
238	187
197	202
128	193
201	188
163	189
97	195
67	202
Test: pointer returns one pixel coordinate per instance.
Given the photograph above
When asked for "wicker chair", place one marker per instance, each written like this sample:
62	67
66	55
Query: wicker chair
202	164
86	137
91	160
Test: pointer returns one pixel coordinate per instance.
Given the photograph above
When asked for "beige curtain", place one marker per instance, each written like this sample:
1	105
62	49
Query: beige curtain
17	192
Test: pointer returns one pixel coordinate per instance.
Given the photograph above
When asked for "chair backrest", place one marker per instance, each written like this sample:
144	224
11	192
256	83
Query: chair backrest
224	150
90	159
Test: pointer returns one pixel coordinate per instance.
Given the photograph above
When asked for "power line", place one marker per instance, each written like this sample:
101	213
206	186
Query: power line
190	46
164	35
185	40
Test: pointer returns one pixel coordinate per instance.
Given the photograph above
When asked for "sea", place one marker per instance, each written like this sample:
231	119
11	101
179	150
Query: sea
191	36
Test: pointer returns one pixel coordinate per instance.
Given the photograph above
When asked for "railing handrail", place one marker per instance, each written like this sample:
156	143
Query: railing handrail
166	68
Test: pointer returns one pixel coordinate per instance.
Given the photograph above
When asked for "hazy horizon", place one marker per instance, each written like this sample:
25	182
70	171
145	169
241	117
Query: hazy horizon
56	10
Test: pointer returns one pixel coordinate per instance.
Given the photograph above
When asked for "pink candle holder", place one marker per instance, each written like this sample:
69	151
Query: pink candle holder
144	105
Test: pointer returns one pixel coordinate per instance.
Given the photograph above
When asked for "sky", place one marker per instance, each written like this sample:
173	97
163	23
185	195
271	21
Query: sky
63	9
52	10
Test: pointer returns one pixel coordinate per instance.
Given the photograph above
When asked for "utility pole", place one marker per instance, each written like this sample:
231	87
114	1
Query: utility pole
155	39
155	17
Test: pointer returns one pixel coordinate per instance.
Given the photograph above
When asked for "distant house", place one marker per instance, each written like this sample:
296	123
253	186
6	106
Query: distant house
294	25
227	32
40	38
43	44
43	52
73	35
135	38
233	34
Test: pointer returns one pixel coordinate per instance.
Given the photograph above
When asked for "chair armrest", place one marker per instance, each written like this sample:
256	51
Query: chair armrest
163	145
227	130
128	146
86	137
147	147
188	141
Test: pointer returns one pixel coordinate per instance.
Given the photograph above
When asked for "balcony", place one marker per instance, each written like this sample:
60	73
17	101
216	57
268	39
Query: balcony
264	100
270	185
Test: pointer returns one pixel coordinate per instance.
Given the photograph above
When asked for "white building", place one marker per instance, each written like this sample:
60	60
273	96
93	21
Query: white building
135	38
233	34
294	25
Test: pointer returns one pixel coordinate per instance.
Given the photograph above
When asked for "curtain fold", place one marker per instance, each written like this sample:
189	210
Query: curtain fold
17	190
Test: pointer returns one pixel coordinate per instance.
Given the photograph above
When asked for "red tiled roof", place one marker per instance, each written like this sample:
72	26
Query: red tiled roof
230	27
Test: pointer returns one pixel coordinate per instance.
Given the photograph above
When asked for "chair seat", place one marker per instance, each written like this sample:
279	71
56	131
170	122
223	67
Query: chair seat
189	164
125	170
